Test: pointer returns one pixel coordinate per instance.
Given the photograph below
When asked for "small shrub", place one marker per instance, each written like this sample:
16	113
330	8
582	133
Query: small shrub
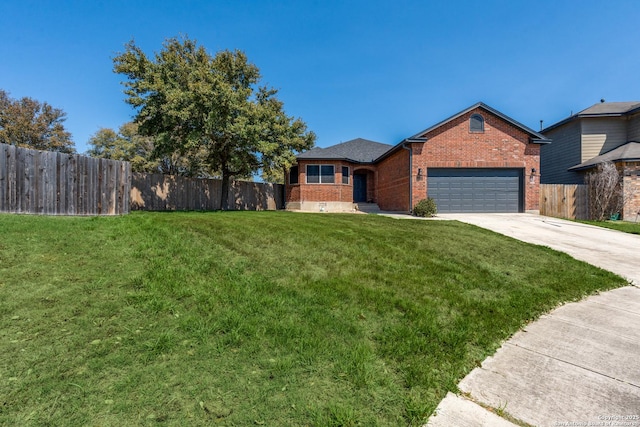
426	208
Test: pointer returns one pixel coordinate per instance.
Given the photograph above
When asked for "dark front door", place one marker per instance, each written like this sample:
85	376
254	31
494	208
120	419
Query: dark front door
359	188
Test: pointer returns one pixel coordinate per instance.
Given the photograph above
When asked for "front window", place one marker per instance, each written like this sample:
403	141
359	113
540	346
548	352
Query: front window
476	123
320	174
345	175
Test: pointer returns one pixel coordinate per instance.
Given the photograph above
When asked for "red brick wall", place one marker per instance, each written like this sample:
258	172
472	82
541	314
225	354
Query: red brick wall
451	145
501	145
292	192
393	182
336	192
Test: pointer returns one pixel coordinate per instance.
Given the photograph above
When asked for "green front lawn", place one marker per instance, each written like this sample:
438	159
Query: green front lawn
258	318
625	226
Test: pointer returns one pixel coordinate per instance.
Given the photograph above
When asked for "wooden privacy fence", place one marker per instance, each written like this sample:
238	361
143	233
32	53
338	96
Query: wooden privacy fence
564	201
156	192
51	183
45	182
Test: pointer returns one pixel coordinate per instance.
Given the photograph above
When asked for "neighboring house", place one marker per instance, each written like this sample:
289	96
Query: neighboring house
607	131
478	160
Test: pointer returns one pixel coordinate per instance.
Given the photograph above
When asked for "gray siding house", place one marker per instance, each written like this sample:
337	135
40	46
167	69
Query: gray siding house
607	131
595	131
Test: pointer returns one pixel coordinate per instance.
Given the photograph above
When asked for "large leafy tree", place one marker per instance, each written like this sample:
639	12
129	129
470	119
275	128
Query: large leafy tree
128	145
29	123
278	134
210	110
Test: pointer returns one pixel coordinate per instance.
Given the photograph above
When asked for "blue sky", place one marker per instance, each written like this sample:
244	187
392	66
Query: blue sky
381	70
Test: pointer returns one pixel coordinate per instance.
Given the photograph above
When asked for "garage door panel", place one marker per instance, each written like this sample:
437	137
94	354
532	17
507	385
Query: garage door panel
475	190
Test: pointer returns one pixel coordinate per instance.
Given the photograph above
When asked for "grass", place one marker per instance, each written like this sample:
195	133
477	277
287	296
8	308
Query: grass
258	318
624	226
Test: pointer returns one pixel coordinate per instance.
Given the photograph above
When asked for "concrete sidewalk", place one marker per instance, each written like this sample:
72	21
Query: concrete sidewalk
578	365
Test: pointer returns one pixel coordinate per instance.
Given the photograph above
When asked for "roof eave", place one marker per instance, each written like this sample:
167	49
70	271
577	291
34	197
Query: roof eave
634	110
602	114
593	165
560	123
579	116
540	140
437	125
587	115
581	168
331	159
532	133
399	145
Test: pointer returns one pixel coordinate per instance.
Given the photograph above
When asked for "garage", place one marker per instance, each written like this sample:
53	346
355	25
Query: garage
476	190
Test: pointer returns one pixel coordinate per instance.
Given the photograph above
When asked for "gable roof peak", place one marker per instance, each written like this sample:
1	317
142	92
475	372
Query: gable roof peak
534	136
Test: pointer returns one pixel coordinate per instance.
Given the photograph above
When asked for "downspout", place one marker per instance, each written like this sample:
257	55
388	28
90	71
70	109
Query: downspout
410	150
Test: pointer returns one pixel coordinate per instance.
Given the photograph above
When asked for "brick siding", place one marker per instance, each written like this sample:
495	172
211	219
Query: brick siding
393	182
336	192
451	145
501	145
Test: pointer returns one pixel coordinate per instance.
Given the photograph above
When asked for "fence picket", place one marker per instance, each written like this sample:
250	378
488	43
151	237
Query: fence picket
156	192
564	201
54	183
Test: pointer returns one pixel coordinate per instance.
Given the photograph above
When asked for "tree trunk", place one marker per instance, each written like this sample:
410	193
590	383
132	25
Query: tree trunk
224	201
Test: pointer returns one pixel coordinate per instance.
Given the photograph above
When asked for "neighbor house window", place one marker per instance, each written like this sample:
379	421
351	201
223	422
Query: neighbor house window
345	175
476	123
320	174
293	175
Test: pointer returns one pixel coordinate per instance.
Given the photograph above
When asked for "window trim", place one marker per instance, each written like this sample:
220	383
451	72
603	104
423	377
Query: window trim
320	175
348	176
481	120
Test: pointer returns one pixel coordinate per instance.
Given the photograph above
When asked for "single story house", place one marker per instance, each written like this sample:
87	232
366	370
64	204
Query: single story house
606	131
478	160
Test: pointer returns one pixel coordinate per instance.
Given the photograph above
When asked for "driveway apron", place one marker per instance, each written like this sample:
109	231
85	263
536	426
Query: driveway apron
576	366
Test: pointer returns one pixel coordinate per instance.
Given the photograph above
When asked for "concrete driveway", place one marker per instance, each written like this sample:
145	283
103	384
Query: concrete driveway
578	365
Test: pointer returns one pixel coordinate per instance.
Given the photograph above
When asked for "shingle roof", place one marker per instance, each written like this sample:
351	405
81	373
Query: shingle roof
357	150
601	109
610	108
629	152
